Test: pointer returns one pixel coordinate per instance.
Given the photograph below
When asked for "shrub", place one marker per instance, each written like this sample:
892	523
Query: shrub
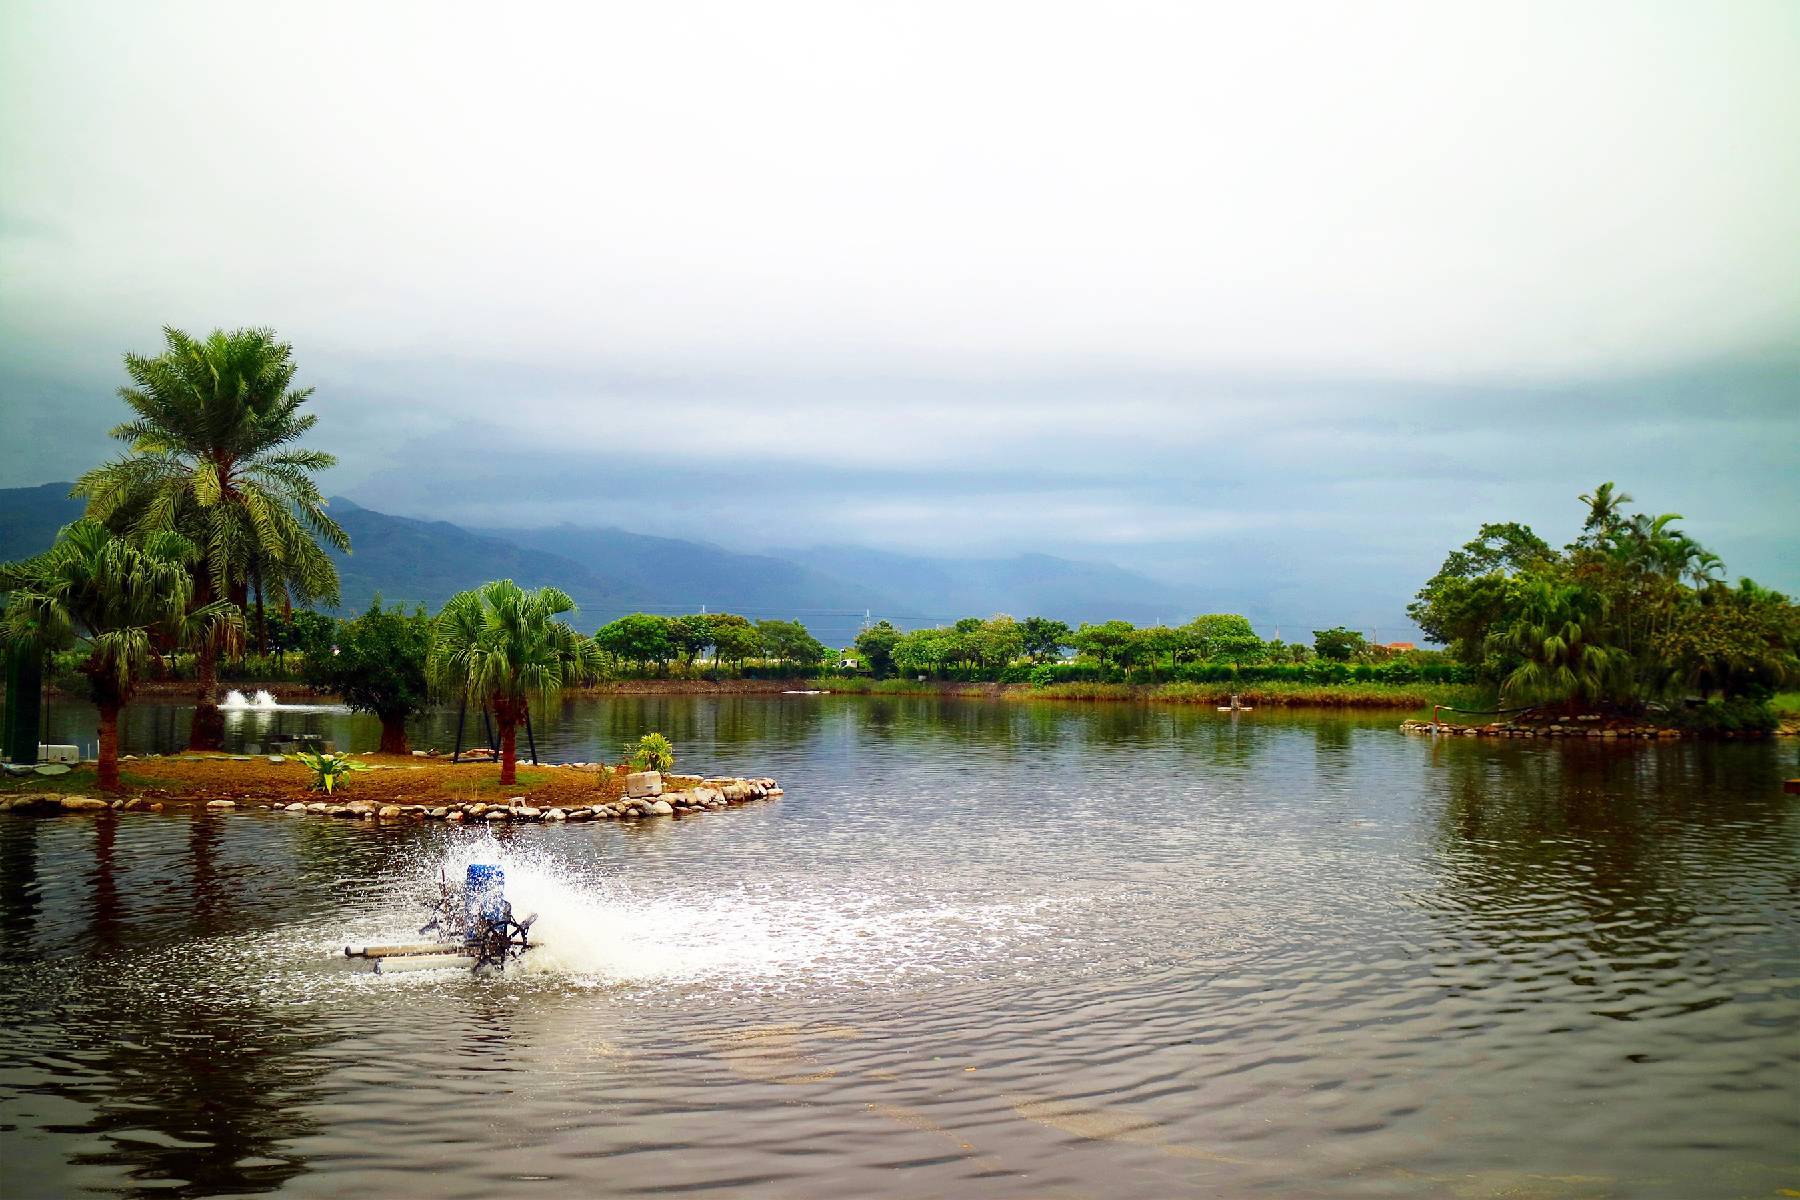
653	752
329	769
1740	714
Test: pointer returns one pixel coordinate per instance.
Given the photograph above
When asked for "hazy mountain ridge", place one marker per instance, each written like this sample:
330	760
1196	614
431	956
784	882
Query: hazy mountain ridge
610	572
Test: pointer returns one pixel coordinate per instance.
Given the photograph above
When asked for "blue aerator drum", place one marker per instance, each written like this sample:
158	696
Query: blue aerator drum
485	897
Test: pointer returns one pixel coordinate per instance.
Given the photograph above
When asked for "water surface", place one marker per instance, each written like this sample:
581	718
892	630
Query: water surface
1010	950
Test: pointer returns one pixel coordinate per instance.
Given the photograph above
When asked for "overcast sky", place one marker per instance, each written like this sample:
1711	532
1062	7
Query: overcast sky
1279	301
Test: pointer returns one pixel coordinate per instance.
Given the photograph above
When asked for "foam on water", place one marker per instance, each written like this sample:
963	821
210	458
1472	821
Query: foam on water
595	931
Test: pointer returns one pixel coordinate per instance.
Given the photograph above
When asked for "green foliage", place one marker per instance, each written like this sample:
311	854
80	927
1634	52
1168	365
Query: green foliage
1738	714
734	638
211	457
1111	643
329	770
1043	639
1223	637
689	635
1460	605
790	644
640	639
503	643
653	752
109	597
379	662
876	646
1631	611
1338	644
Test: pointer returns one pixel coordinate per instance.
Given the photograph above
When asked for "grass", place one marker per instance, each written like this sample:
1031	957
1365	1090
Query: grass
1786	704
80	781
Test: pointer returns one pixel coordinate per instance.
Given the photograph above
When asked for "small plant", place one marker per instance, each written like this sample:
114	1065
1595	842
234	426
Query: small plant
652	753
329	769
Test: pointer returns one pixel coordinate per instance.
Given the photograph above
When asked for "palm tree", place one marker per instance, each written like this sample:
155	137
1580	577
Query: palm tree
1559	633
502	644
211	457
112	595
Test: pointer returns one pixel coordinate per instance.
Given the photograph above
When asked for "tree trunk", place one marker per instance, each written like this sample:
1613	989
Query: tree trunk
509	746
208	730
393	734
109	746
262	619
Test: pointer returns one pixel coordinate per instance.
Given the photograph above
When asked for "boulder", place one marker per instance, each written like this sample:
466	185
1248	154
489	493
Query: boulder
83	804
494	814
640	784
663	808
389	812
296	808
454	814
221	804
528	812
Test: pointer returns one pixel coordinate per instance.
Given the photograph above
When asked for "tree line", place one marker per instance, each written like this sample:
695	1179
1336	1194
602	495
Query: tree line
1632	614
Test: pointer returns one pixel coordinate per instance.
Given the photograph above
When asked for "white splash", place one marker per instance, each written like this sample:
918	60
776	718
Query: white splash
603	932
236	701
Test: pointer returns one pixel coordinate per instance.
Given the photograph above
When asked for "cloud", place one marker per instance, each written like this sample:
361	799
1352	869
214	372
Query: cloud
1291	296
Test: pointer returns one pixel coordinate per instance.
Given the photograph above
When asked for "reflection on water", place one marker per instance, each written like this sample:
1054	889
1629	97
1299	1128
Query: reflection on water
978	949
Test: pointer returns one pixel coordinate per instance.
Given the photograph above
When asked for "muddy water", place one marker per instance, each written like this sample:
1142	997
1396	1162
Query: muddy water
977	950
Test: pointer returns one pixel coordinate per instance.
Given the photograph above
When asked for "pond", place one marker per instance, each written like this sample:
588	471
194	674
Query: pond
978	949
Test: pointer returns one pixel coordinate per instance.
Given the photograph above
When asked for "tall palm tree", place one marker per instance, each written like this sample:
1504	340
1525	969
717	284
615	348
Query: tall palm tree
111	595
212	457
501	644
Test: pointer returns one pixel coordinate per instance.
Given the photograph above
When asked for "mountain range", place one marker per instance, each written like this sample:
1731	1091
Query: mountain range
610	572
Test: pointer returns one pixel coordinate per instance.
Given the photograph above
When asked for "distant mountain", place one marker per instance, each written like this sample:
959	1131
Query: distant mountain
658	571
30	517
939	590
610	572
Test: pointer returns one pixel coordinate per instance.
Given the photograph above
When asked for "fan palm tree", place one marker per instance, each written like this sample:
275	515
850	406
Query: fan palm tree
212	457
502	644
1558	632
112	595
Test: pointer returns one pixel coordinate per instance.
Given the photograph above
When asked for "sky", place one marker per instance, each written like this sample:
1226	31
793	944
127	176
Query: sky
1276	302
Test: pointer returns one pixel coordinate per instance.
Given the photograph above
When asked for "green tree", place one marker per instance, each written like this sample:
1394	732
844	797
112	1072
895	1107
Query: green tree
1338	644
734	638
640	638
1558	633
876	646
1742	641
995	643
925	651
1225	638
212	456
689	635
378	666
1460	605
789	643
1110	643
1043	638
502	644
113	597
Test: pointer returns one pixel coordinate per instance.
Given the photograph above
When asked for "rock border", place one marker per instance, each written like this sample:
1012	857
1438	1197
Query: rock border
709	795
1573	727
